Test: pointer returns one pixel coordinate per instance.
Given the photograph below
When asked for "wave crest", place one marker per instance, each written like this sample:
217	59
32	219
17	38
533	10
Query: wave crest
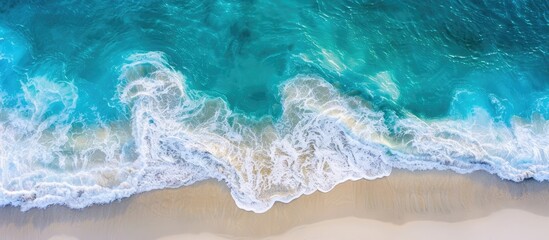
177	136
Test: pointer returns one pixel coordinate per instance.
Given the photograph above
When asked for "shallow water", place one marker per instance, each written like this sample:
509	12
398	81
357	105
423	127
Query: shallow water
100	101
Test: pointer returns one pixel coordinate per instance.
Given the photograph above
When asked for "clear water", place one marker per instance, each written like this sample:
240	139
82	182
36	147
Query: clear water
100	100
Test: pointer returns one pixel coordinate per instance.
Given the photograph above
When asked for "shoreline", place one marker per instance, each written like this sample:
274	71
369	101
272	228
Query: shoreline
207	208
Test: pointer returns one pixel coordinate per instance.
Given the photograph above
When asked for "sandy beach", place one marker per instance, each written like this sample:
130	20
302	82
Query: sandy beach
418	205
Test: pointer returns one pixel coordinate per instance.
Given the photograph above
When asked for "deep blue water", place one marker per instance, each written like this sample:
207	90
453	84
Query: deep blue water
100	100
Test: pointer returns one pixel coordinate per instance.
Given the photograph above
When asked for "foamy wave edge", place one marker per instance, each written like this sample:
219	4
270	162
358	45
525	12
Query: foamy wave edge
178	136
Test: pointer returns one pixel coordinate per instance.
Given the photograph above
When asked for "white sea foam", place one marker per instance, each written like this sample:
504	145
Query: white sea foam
177	136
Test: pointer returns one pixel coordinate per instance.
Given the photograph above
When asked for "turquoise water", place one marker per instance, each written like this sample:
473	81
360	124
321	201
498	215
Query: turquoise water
102	100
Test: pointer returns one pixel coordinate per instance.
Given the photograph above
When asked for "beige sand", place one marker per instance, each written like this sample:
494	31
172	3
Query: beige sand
503	224
403	203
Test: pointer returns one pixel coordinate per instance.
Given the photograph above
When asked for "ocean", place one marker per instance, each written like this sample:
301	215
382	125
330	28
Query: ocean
100	100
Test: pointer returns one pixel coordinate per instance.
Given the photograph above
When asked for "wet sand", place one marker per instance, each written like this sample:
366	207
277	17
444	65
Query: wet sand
411	204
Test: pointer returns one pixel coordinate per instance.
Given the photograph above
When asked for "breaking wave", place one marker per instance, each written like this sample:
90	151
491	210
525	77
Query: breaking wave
176	136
